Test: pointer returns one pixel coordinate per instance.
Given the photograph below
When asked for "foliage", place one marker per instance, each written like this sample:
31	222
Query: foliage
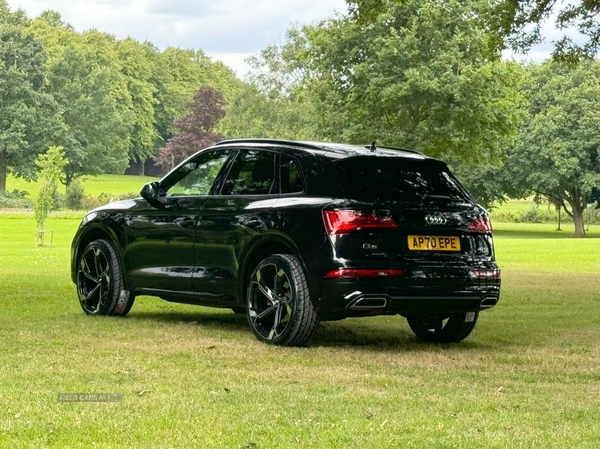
416	74
253	113
196	130
137	68
75	195
29	122
532	214
556	154
50	168
484	181
18	199
518	22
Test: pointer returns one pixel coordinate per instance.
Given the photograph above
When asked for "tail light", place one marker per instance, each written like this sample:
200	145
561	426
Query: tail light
481	225
362	273
342	221
485	274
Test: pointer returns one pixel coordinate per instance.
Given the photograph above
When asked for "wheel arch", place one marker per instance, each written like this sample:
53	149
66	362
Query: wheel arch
273	244
96	232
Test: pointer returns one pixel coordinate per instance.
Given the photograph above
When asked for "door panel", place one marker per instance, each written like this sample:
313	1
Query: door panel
161	246
160	253
230	221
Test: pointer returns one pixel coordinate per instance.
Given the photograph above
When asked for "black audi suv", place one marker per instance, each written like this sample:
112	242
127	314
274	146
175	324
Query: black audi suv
293	233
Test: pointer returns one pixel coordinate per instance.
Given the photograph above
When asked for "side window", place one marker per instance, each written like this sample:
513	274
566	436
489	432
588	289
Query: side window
197	177
291	178
252	173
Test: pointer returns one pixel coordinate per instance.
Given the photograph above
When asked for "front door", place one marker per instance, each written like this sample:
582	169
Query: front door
160	251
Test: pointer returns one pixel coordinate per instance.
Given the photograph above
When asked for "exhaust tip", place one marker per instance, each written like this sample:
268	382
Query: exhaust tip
368	302
489	302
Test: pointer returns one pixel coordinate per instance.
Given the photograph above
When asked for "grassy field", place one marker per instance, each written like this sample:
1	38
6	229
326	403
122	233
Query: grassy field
529	375
94	185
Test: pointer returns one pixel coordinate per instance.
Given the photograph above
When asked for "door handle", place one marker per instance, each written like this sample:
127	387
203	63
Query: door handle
185	222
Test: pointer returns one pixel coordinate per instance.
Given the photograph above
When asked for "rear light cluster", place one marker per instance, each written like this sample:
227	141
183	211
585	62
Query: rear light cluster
361	273
485	274
342	221
481	225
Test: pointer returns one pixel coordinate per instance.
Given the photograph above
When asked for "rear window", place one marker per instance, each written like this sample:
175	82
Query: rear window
398	179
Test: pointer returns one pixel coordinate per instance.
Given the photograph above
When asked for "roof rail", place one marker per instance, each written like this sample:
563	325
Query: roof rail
273	141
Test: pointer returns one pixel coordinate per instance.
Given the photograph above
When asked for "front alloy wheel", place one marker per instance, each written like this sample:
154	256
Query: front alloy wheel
279	307
100	281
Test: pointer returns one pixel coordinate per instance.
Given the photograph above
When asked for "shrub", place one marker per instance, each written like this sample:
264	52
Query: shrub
15	199
75	195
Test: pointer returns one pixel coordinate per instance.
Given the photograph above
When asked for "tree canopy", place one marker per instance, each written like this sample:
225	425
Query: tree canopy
109	103
416	73
28	121
196	130
556	154
518	24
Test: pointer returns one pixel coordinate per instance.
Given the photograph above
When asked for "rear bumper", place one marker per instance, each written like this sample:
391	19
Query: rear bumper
430	290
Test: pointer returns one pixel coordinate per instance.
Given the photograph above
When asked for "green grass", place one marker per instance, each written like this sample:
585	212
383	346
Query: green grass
94	185
515	206
528	376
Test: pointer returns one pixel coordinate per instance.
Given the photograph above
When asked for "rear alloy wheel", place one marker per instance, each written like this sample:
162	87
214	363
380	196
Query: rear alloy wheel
280	311
100	281
443	328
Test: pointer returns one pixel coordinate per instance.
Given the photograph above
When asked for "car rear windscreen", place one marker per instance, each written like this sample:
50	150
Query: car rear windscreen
397	179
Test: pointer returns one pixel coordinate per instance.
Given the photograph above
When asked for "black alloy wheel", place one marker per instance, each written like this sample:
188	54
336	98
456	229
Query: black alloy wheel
279	307
100	281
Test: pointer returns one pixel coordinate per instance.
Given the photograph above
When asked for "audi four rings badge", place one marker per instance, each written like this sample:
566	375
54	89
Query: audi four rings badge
435	219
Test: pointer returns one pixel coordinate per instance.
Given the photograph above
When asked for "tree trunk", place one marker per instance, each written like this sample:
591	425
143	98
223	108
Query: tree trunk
578	220
3	171
558	228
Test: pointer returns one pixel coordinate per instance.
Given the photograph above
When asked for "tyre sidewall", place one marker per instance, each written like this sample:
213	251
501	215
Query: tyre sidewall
285	266
116	277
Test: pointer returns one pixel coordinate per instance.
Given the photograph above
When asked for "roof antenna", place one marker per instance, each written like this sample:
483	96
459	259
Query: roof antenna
372	147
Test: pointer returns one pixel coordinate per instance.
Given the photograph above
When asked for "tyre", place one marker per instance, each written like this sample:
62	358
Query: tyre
279	308
443	329
100	284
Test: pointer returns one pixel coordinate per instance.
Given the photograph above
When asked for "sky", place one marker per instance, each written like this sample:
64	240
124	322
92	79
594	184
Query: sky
227	30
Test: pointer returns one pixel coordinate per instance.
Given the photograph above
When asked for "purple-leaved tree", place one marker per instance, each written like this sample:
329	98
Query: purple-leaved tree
195	130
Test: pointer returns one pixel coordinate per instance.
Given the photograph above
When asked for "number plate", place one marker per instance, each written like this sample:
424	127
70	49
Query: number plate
433	243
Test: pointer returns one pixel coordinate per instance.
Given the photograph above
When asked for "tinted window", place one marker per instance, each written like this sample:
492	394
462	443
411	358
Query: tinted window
252	173
398	179
197	176
291	178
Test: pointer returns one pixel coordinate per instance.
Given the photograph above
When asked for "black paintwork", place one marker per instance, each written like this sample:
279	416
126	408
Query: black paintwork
202	249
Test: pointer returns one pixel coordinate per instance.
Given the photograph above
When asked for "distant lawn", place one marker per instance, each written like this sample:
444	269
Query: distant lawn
514	206
94	185
527	377
539	247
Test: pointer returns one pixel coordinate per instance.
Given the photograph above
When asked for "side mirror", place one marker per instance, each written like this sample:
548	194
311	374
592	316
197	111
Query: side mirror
151	192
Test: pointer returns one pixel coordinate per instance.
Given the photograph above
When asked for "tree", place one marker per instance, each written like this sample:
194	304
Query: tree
84	77
29	121
557	152
195	130
517	22
136	67
50	169
254	114
417	74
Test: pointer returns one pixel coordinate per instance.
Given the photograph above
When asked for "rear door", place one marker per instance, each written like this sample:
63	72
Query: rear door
231	219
